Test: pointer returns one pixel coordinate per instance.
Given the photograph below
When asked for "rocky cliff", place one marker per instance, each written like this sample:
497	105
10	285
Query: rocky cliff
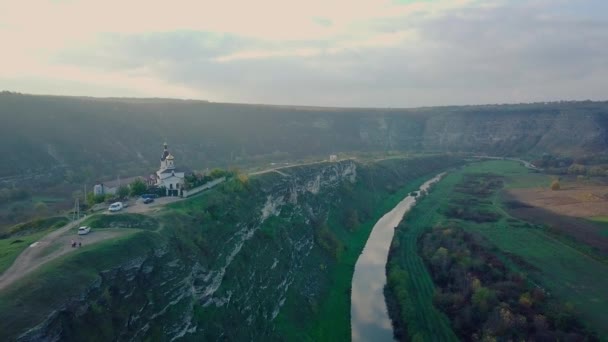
265	259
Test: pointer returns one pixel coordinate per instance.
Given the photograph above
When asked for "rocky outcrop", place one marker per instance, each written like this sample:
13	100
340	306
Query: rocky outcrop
233	264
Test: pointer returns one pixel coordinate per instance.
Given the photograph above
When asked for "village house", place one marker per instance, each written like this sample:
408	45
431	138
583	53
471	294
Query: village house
111	187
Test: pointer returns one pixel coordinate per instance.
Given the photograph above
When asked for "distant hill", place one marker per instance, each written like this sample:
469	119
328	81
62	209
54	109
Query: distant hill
78	139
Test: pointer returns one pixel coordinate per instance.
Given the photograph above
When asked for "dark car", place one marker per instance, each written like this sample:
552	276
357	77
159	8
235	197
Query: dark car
148	200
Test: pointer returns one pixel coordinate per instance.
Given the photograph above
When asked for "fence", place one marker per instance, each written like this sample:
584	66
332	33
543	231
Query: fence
208	185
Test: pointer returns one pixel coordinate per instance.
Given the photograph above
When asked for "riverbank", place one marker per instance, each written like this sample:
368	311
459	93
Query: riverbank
369	316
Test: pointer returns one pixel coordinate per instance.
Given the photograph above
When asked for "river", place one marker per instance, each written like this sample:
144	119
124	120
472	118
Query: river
368	314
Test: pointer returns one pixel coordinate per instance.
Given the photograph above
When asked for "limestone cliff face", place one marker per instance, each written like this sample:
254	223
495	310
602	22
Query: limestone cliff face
70	138
237	265
561	132
245	281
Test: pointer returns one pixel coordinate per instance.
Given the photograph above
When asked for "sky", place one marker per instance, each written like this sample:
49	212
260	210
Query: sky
355	53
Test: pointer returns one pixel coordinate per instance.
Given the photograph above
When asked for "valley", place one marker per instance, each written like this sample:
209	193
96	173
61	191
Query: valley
276	253
59	144
365	171
566	270
274	248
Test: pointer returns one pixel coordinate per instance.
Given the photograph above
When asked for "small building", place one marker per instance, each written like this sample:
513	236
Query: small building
333	158
168	176
98	189
111	187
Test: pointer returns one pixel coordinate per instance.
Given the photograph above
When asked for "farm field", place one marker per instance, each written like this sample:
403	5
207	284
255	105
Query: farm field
471	198
579	200
577	211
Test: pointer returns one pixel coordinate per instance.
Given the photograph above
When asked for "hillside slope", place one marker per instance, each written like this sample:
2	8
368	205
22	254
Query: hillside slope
79	139
270	258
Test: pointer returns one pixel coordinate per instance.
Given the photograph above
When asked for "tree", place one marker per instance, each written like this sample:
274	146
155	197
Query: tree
123	191
217	173
90	199
41	209
577	169
596	171
352	220
138	187
555	185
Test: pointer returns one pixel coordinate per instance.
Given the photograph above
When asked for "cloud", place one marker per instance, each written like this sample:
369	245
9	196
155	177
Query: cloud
341	54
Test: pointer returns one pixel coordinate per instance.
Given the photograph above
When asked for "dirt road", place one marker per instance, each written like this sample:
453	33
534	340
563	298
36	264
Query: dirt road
52	246
138	206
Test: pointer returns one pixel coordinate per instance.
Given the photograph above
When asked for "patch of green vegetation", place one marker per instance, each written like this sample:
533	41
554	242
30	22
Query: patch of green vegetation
34	226
244	261
122	221
10	248
17	238
379	188
603	221
67	277
484	299
568	273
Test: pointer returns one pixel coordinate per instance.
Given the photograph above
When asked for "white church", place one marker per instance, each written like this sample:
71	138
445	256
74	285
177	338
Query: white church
169	177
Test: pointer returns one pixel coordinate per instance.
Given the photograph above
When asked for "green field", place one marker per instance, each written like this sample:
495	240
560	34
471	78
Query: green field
602	220
15	239
138	221
567	273
10	248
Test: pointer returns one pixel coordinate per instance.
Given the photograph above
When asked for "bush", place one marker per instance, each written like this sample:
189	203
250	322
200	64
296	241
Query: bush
138	187
555	185
123	191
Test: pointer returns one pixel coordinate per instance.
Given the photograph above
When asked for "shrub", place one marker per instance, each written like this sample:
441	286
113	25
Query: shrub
555	185
138	187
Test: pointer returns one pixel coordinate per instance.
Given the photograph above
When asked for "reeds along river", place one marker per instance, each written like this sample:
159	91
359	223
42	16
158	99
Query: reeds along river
369	315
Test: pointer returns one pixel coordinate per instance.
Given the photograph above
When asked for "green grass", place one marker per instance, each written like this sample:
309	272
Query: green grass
599	219
204	231
378	190
566	272
423	320
11	248
335	311
18	237
122	221
602	221
47	199
34	226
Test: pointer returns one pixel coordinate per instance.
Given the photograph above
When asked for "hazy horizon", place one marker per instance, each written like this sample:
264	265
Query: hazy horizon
397	54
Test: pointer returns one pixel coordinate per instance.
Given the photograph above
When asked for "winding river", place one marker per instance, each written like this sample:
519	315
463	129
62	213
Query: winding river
368	314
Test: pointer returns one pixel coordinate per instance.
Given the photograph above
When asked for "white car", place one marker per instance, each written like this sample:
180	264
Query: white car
117	206
84	230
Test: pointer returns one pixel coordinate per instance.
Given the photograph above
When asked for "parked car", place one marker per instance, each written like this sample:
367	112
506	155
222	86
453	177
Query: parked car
84	230
117	206
148	200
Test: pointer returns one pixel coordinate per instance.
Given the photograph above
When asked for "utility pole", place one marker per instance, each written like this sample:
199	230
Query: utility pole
76	215
85	192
